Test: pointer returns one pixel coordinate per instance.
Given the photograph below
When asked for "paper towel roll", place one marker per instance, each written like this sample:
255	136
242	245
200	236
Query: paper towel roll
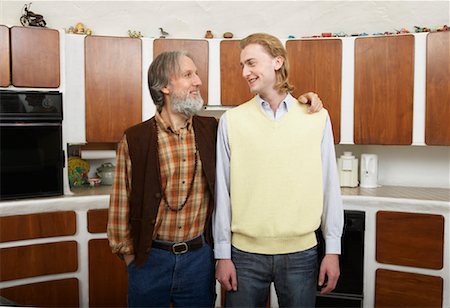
98	154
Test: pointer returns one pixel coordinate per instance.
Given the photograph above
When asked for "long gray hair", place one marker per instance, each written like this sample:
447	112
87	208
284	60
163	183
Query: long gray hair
166	65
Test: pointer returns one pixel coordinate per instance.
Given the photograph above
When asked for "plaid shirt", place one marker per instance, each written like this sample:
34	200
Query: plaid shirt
177	160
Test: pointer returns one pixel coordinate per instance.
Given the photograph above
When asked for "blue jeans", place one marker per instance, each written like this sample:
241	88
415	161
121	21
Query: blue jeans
185	280
294	276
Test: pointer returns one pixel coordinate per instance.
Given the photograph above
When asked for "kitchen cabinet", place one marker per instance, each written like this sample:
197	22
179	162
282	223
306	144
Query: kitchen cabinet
437	128
234	89
35	57
315	65
401	289
410	239
383	90
113	86
198	50
5	65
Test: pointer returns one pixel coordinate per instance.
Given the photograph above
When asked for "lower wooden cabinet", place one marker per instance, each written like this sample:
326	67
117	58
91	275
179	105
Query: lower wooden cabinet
55	293
410	239
400	289
108	282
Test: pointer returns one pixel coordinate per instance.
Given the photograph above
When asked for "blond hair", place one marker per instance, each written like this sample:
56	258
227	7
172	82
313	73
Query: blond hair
274	48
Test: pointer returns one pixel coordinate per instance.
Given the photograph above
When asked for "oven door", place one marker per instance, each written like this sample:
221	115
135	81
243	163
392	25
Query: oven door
31	159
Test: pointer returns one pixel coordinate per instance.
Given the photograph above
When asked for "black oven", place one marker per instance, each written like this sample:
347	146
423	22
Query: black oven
31	153
350	286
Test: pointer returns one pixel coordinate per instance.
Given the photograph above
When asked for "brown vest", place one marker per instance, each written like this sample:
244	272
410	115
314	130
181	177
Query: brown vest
145	195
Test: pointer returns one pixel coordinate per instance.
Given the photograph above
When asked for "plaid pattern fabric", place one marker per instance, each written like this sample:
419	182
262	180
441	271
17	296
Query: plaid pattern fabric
118	230
177	160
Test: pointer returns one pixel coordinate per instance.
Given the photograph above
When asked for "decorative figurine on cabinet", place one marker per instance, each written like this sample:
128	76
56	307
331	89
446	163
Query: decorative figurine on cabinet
163	33
29	18
134	34
228	35
209	34
79	29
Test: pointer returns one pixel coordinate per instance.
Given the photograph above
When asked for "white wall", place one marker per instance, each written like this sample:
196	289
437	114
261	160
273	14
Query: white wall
190	19
405	166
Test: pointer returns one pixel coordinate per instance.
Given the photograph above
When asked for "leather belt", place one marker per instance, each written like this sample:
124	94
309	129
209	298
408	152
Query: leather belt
180	248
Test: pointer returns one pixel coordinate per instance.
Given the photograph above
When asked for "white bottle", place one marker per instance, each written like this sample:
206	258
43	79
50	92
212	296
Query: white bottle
348	170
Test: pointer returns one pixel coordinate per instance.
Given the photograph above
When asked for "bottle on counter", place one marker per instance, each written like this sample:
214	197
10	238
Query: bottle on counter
348	170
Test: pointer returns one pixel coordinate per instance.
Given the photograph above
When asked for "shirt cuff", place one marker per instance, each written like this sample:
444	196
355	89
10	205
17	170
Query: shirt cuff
333	246
222	251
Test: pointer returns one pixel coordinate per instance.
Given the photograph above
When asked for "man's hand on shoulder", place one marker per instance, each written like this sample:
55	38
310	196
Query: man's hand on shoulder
226	274
313	99
329	269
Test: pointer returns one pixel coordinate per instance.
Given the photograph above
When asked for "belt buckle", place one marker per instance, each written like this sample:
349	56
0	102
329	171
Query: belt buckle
183	246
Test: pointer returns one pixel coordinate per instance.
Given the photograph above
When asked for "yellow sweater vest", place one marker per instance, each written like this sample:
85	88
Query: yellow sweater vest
275	178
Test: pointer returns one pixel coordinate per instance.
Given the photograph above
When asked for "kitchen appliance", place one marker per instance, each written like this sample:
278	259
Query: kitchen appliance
348	170
31	155
369	171
350	286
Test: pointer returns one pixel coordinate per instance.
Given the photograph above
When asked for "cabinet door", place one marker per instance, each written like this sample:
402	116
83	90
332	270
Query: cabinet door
233	88
316	65
199	51
35	57
384	82
437	130
113	86
5	68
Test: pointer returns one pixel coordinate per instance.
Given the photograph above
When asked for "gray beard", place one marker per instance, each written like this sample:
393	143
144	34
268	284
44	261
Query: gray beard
187	106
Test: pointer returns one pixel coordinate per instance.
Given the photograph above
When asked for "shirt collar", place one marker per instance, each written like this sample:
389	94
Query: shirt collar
166	126
286	103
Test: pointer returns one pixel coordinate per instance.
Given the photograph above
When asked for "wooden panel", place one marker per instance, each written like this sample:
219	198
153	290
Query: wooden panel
410	239
108	281
437	131
113	86
97	220
384	82
199	51
316	65
35	57
21	227
37	260
5	65
399	289
55	293
234	89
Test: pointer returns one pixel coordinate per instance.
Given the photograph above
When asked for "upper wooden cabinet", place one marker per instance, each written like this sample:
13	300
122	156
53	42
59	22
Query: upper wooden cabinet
234	89
5	64
316	65
198	50
113	86
383	94
437	131
34	57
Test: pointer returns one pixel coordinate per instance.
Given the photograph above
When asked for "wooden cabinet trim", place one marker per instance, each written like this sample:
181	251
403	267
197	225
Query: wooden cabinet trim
410	239
5	54
108	280
54	293
437	128
113	86
31	226
35	57
37	260
197	49
97	220
316	65
383	90
400	289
